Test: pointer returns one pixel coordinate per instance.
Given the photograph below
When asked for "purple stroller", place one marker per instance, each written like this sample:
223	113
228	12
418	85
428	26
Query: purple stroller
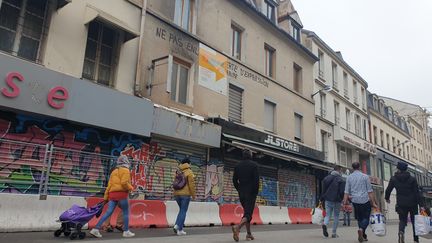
73	219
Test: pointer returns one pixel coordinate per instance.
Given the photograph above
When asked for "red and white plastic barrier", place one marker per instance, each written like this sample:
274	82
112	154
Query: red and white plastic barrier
231	214
274	215
198	214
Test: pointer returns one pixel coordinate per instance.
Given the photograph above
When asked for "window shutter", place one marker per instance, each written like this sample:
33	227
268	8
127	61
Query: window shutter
235	105
169	73
269	108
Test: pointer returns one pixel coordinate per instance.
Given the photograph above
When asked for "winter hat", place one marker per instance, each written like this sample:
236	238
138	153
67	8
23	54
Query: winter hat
123	161
402	166
185	160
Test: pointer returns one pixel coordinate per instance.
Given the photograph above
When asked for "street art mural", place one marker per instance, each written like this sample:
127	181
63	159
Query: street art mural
268	191
296	189
214	183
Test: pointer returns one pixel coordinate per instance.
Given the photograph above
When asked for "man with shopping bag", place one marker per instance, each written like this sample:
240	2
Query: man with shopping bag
407	198
359	188
333	192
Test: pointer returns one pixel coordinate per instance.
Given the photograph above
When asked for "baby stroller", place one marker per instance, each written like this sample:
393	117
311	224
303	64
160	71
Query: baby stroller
73	219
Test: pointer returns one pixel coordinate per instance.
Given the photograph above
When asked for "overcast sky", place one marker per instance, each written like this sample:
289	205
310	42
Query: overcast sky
388	42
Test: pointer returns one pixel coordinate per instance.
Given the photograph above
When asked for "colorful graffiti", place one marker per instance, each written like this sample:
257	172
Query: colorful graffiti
79	165
214	183
297	190
268	191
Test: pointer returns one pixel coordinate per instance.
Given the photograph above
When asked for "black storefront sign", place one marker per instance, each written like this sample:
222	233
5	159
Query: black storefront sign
268	140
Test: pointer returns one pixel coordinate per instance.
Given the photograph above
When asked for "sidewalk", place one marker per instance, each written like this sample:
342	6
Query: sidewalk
265	233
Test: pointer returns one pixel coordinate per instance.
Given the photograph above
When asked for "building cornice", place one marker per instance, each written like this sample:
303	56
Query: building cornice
336	57
380	117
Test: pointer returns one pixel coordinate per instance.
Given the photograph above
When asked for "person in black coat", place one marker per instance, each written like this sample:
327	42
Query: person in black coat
407	198
246	181
332	194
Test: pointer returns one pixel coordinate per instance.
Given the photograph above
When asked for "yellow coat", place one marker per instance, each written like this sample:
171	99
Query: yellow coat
119	181
189	189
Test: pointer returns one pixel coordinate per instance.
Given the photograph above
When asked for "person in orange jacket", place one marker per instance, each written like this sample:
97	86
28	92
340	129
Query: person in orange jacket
117	192
184	195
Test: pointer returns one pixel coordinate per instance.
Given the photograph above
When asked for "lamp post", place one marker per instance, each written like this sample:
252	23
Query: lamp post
326	88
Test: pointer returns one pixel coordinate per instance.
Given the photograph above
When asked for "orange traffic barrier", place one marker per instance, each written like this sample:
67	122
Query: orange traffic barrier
231	214
142	213
300	215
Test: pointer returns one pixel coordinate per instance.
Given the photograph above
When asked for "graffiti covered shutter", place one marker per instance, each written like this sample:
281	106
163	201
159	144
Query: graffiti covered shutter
296	189
165	165
268	186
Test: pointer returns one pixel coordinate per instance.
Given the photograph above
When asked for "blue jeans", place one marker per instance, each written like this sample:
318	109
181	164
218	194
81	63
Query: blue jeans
347	219
332	208
183	203
124	205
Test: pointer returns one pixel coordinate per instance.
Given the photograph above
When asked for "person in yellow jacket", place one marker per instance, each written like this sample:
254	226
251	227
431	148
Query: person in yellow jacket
117	192
184	195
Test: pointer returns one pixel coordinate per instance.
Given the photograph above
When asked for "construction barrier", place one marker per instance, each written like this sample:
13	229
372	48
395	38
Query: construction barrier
142	213
198	214
300	215
231	214
274	215
19	212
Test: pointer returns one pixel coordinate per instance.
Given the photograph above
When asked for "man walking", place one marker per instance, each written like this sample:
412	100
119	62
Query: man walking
407	198
333	193
359	188
246	181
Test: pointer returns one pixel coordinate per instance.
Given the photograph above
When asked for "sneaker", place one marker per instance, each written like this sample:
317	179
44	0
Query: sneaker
401	237
335	236
128	234
181	232
95	233
324	228
175	229
360	235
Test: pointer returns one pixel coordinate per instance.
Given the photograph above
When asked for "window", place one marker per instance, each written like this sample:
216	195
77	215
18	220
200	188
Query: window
337	113
355	94
298	127
387	171
99	54
394	144
179	80
323	105
320	63
375	134
363	97
334	75
388	141
298	76
408	152
398	147
269	116
345	78
269	60
270	10
378	168
22	27
382	138
235	106
236	42
348	119
342	156
357	125
296	32
183	15
324	144
365	129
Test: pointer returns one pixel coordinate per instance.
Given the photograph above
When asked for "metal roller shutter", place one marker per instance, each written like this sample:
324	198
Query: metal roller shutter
235	103
296	189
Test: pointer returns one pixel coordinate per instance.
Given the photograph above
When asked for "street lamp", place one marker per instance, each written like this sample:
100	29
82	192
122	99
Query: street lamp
326	88
397	145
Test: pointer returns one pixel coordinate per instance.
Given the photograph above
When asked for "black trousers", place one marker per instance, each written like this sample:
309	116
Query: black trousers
362	213
247	201
403	218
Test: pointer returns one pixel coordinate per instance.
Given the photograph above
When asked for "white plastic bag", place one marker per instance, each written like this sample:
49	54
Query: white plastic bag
422	225
318	215
378	225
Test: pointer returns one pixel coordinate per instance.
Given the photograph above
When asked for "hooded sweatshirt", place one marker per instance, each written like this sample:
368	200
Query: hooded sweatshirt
407	192
333	187
189	188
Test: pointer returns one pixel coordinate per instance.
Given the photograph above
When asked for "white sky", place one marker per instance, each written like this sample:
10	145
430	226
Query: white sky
388	42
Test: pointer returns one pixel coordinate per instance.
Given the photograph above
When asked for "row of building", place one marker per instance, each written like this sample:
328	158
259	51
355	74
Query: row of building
161	80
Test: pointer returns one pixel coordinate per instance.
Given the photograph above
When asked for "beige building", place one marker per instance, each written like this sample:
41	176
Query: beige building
341	114
391	134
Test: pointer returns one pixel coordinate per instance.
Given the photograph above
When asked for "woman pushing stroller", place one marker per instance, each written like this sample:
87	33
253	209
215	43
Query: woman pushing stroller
117	192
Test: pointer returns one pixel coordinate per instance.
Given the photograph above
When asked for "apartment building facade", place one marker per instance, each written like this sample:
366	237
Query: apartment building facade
341	114
240	64
70	70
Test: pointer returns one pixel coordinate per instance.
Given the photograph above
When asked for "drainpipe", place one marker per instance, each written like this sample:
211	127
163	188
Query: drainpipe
139	68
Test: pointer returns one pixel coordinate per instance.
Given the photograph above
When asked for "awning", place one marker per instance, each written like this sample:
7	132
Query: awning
276	154
93	13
